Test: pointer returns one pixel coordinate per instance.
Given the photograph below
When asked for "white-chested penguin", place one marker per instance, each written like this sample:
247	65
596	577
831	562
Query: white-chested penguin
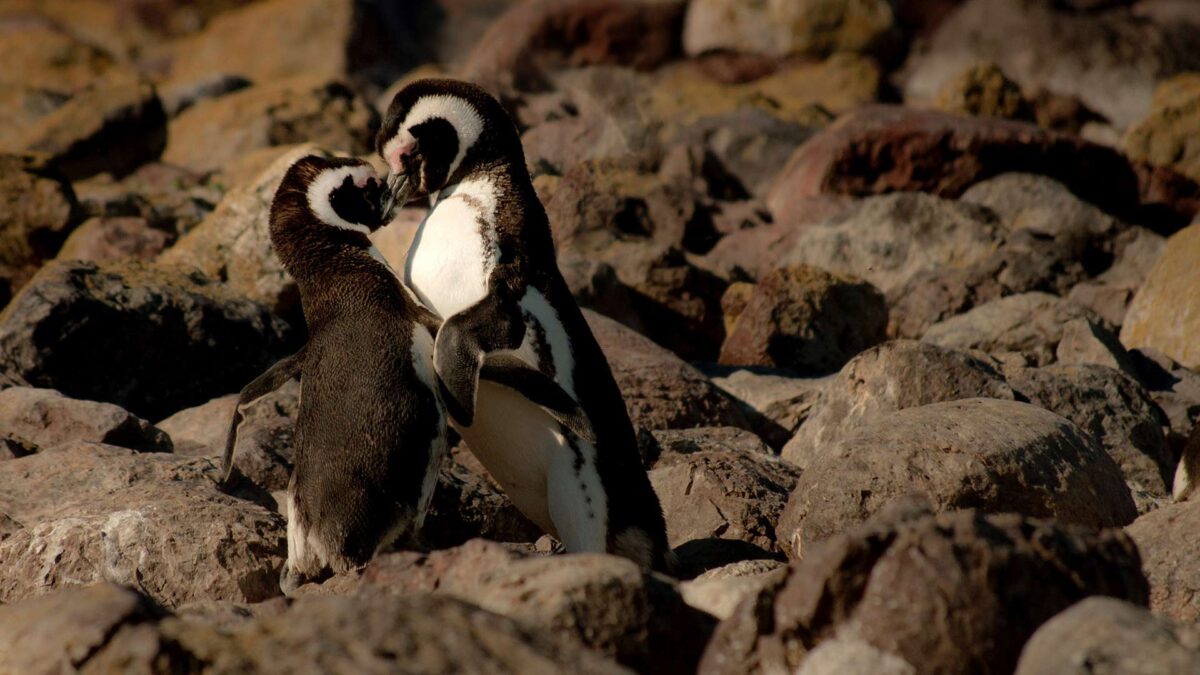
483	259
370	433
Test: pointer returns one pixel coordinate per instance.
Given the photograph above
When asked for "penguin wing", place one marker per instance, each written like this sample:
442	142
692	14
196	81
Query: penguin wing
283	370
464	340
540	388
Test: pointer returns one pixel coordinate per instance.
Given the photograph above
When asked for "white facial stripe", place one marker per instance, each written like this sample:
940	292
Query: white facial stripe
324	185
457	111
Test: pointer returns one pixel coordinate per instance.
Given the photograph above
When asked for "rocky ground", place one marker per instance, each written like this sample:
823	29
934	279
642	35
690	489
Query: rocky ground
902	296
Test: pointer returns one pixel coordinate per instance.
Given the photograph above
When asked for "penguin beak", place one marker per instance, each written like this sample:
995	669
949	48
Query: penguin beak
399	188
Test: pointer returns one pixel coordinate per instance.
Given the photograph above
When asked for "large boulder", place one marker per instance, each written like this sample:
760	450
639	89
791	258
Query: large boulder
113	238
879	149
1171	558
661	390
305	109
47	418
89	513
1109	59
1025	328
1106	636
1165	312
893	376
1167	136
805	320
889	239
953	593
808	27
990	454
169	337
37	211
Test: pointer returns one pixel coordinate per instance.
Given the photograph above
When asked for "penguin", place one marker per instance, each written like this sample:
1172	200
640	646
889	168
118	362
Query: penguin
483	261
371	430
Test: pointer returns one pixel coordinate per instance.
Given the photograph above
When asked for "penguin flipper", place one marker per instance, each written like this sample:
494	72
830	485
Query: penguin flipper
462	345
274	378
541	389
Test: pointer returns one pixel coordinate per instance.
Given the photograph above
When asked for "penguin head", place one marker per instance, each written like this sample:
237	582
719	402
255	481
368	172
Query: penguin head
438	132
324	199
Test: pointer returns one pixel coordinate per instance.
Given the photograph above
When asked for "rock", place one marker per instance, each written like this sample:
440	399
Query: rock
889	239
984	90
722	493
426	634
1165	311
1086	342
265	448
1042	205
47	418
1165	137
49	57
806	320
756	251
114	127
1026	327
994	455
61	631
808	27
467	505
22	107
277	39
95	513
836	656
1174	388
1110	60
783	400
661	391
101	239
676	444
169	337
1105	636
878	149
180	97
233	243
168	198
37	211
12	447
1115	410
1169	556
718	591
531	37
305	109
949	593
893	376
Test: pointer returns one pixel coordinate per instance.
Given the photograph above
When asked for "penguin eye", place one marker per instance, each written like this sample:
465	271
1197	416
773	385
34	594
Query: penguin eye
356	205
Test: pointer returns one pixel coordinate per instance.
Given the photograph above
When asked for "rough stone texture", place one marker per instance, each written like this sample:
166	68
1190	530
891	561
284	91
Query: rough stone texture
722	493
1038	203
531	37
466	505
810	27
1170	552
1114	409
757	250
1165	312
419	634
879	149
1110	60
47	418
100	239
1105	636
806	320
982	89
277	39
719	591
305	109
662	391
1174	388
91	513
112	127
783	400
852	656
1167	136
893	376
994	455
1026	327
1087	342
233	243
952	593
46	57
168	198
889	239
169	337
37	211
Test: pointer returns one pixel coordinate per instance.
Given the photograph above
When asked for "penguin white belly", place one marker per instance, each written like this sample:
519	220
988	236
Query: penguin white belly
453	253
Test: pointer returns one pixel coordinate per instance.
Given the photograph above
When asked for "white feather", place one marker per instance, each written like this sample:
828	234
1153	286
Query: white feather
459	112
556	335
325	184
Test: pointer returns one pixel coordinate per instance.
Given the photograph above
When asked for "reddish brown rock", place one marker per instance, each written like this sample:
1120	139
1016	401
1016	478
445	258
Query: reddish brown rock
1171	558
99	239
37	211
952	593
806	320
47	418
881	149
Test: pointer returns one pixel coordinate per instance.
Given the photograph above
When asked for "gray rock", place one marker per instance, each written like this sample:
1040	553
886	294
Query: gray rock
1087	342
1106	636
1042	205
47	418
994	455
718	591
1171	558
784	400
852	657
893	376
